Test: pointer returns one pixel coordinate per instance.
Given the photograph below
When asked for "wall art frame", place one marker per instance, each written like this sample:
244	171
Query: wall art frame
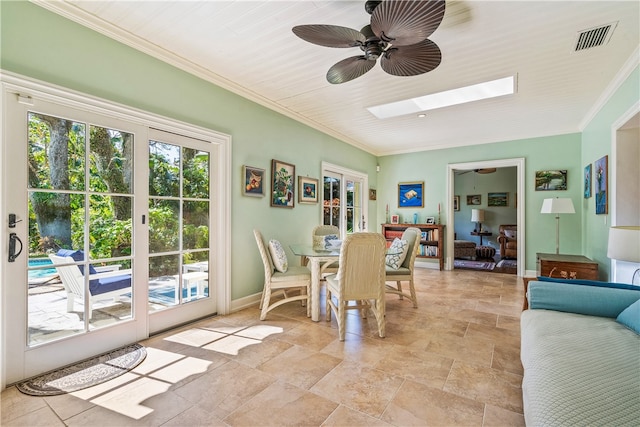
551	180
431	220
456	203
307	190
601	183
283	183
587	181
253	181
395	219
411	194
499	199
474	199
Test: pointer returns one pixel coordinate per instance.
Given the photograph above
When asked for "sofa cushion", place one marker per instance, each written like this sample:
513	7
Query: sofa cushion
578	370
630	317
590	300
589	283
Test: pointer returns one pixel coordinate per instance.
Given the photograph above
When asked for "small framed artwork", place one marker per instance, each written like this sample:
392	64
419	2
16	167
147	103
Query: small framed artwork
456	203
600	171
283	177
410	194
423	235
307	190
498	199
474	199
253	181
372	194
395	219
551	180
431	220
587	181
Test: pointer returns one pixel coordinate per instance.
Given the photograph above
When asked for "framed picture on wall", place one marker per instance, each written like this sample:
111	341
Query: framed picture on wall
587	181
474	199
307	190
395	219
551	180
411	194
600	174
283	177
253	181
498	199
456	203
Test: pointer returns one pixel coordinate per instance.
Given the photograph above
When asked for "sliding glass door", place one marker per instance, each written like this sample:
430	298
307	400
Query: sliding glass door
343	199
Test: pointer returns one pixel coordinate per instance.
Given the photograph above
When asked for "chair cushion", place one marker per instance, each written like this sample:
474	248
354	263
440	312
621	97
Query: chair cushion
108	284
402	271
77	256
293	273
395	260
278	255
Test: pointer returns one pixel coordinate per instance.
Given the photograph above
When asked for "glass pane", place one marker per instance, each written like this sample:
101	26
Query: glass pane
163	225
111	160
331	201
56	221
195	173
56	153
164	169
164	272
195	275
195	227
109	226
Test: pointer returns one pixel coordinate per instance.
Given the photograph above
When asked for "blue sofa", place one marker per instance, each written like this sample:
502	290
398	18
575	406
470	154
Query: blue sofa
580	349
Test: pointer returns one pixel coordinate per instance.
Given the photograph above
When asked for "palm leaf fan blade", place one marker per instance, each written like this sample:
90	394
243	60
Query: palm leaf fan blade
349	69
329	35
406	23
412	60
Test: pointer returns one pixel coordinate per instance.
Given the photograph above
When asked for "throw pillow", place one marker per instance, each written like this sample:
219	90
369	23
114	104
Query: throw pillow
630	317
399	249
278	256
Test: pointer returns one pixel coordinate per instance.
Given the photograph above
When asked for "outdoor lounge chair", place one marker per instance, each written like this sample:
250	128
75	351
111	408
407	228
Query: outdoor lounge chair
102	285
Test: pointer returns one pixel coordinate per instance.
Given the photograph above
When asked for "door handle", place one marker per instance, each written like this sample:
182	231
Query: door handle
13	238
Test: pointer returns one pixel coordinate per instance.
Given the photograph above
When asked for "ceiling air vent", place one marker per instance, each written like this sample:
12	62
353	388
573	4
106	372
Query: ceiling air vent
594	37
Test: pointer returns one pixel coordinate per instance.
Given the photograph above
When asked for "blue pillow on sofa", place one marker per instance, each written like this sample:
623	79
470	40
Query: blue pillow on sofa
630	317
589	283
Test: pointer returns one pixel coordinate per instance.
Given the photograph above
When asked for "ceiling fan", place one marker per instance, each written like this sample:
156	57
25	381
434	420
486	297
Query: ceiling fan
480	171
398	35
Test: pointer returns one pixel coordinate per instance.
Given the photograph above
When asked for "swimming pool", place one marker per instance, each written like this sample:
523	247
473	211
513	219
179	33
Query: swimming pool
40	271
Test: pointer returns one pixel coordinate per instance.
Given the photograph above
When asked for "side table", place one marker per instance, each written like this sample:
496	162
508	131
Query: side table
566	266
481	234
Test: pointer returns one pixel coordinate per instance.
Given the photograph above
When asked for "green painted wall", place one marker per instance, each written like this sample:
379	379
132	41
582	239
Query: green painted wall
42	45
596	143
56	50
553	152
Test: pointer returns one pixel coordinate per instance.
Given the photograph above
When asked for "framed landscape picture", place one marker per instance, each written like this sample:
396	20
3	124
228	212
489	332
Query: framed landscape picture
498	199
600	174
307	190
253	182
551	180
410	194
283	177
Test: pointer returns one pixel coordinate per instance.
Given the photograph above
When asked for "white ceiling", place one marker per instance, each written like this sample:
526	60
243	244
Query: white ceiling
249	48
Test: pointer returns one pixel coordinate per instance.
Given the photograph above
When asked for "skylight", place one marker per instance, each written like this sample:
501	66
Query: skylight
477	92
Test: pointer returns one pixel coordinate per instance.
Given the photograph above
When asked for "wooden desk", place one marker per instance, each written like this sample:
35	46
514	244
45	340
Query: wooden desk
566	266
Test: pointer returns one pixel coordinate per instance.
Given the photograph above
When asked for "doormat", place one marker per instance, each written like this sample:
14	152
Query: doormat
85	374
473	265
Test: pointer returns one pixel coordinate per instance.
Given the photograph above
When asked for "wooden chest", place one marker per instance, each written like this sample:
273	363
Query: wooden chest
566	266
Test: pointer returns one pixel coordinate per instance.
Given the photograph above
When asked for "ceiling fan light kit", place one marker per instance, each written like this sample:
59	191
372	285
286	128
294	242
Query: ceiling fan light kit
398	35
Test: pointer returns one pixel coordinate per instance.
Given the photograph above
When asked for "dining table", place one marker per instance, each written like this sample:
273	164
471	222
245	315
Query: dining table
319	260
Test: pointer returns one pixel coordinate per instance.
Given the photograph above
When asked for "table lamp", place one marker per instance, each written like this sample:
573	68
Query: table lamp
477	215
624	245
557	206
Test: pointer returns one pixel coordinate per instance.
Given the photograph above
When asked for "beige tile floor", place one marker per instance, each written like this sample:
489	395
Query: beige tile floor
453	361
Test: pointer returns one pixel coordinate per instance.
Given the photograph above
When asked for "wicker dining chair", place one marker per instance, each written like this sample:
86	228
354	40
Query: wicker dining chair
405	272
360	278
295	278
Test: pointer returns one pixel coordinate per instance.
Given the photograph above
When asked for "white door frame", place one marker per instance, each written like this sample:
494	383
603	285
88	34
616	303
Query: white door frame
502	163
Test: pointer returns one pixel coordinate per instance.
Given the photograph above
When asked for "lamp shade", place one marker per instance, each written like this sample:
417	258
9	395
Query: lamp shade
477	215
624	243
557	205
